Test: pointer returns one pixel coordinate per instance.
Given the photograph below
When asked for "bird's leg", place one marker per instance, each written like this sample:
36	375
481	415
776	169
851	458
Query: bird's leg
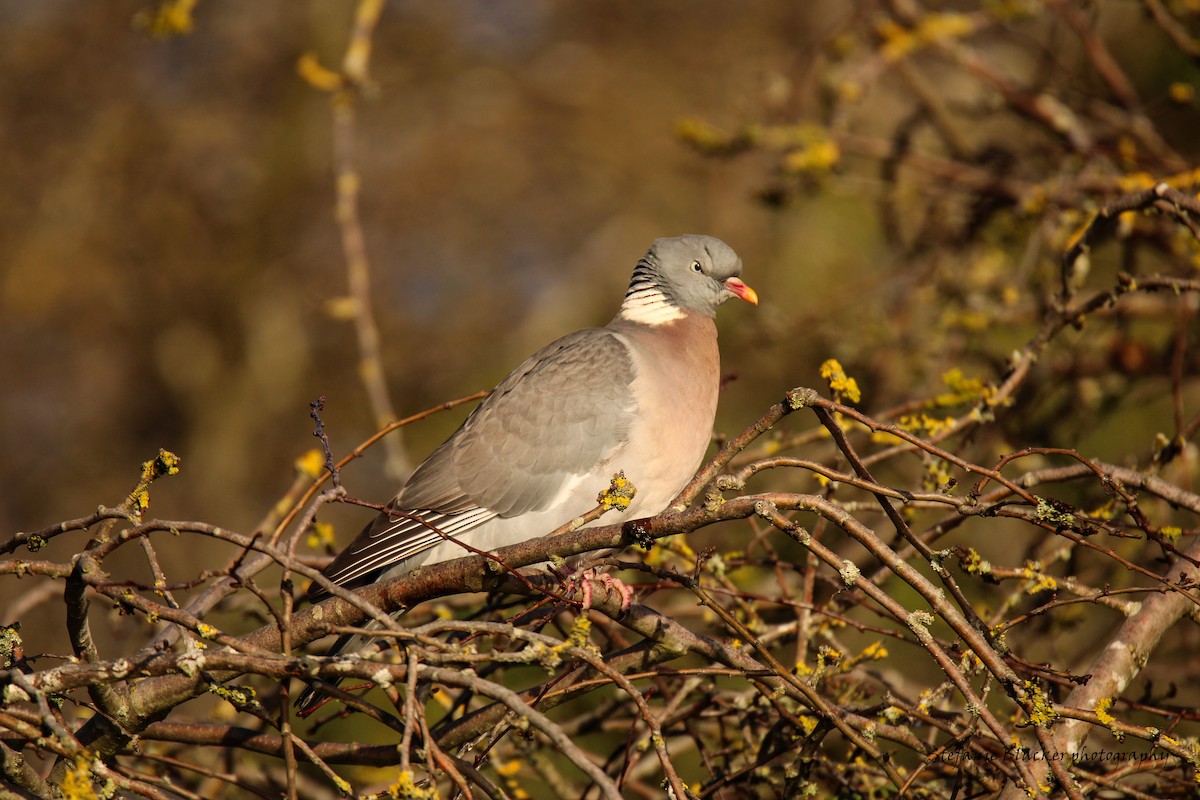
610	584
586	580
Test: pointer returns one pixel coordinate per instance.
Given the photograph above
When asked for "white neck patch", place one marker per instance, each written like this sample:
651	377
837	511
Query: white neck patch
649	306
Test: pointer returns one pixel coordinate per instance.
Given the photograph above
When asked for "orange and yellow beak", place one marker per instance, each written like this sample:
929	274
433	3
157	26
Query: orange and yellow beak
741	290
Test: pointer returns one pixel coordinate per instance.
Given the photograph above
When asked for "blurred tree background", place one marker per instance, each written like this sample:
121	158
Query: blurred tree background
170	251
901	179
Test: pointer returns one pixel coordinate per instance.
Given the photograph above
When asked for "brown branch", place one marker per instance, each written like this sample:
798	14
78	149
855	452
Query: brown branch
348	184
769	509
1102	59
1178	33
542	723
1180	205
1131	645
199	734
20	775
795	399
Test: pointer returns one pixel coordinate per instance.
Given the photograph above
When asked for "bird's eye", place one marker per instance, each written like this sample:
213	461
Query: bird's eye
696	267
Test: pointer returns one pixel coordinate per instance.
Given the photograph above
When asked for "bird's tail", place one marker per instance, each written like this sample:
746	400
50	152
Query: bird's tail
314	696
356	645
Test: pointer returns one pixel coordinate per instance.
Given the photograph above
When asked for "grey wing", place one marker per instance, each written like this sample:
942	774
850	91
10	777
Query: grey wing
559	415
392	537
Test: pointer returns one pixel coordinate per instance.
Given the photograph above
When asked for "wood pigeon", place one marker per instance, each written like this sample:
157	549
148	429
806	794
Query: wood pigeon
638	395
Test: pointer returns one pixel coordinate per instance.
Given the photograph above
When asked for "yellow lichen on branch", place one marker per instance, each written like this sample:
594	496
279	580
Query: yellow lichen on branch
619	494
316	75
165	463
899	42
171	18
842	385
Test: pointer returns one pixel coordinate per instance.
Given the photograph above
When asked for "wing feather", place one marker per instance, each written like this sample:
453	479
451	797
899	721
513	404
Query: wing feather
560	415
394	536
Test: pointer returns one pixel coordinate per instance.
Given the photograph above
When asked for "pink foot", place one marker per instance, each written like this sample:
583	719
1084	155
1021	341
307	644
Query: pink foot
589	577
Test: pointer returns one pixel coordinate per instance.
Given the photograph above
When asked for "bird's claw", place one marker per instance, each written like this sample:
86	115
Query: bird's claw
587	580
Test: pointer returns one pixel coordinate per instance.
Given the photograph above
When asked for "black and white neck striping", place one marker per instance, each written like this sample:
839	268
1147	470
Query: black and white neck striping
645	301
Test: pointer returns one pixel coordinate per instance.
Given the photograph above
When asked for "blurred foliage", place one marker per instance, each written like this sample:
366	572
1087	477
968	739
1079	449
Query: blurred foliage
901	178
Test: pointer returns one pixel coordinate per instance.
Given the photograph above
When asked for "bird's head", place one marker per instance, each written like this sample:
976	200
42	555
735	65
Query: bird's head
684	274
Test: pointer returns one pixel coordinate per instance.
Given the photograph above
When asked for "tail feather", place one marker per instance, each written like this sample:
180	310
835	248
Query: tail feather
354	645
313	696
